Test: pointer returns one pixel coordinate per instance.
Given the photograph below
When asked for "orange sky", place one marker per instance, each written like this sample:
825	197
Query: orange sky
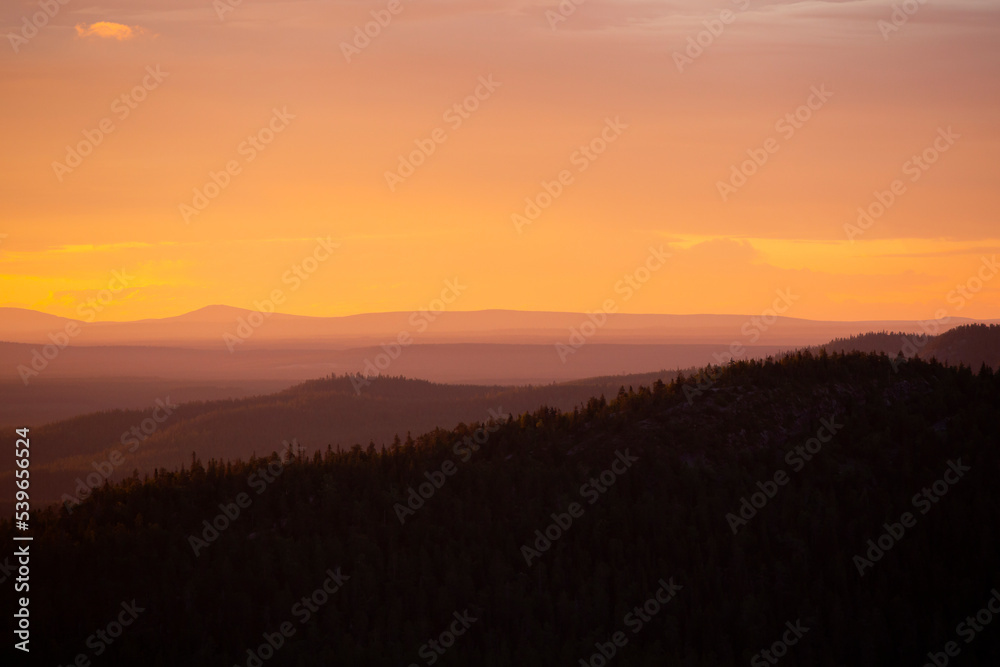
63	232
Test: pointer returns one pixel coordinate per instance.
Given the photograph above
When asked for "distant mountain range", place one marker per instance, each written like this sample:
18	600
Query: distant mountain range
208	327
221	345
102	366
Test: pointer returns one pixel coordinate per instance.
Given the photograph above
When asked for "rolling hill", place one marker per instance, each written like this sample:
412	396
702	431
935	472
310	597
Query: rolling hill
837	501
338	411
970	344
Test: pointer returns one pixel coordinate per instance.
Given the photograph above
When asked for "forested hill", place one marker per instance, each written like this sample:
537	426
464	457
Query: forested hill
969	344
830	510
346	410
338	410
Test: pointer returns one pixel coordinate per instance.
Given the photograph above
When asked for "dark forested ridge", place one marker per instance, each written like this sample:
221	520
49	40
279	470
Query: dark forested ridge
969	344
744	498
338	410
346	410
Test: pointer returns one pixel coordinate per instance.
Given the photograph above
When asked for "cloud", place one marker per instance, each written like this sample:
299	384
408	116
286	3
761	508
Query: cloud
110	30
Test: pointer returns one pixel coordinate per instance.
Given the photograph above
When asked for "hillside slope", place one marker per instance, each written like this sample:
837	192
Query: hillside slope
971	344
751	503
338	411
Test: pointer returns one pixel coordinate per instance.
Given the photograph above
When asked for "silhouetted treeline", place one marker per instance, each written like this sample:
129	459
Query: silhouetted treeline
701	445
317	413
969	344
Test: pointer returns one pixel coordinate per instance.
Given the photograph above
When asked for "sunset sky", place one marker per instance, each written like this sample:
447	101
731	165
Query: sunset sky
336	128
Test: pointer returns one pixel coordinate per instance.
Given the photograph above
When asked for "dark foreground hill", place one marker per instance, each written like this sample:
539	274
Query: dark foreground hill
826	510
969	344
